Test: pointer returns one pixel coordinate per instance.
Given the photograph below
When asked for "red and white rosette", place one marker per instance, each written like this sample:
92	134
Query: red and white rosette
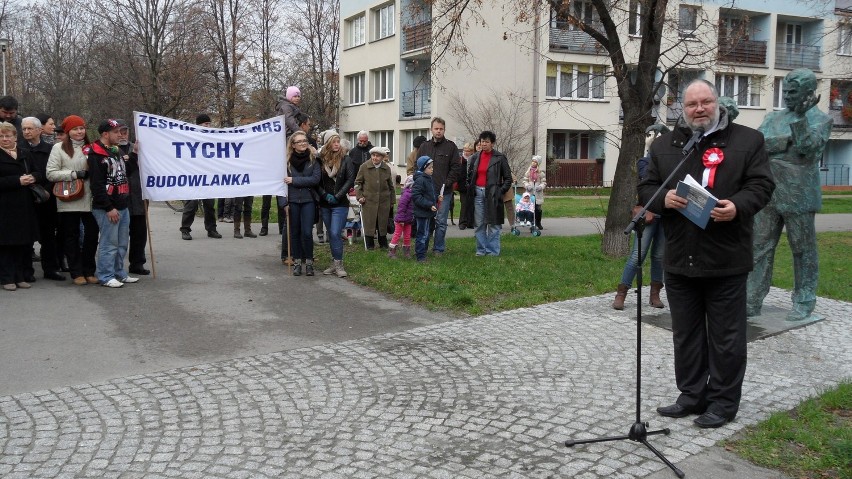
713	157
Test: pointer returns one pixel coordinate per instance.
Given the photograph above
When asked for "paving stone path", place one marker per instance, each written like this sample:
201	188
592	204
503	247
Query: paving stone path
492	396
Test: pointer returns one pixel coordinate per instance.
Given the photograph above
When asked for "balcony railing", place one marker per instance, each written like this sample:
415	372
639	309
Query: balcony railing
417	36
564	38
416	103
732	50
788	55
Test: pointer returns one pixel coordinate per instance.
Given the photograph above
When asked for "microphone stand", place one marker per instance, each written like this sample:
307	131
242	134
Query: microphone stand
639	430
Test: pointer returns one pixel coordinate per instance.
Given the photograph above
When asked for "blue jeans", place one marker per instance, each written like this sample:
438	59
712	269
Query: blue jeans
421	241
112	246
487	236
441	222
334	219
652	238
302	230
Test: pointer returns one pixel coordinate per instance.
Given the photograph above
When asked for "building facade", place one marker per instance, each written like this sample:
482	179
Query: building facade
558	79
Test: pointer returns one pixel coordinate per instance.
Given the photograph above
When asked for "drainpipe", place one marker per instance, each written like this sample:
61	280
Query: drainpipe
536	73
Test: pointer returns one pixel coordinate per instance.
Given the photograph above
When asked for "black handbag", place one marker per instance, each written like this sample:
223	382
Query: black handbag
40	195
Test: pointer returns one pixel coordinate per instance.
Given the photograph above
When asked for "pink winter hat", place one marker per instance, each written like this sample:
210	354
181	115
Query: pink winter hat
293	91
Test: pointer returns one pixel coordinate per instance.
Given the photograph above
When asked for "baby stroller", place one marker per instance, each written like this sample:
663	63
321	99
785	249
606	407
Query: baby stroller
520	223
352	227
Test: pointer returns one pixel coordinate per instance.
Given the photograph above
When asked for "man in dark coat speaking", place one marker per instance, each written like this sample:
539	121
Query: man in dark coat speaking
706	269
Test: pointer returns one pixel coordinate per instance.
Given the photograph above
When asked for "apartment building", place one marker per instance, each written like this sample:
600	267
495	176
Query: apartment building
556	77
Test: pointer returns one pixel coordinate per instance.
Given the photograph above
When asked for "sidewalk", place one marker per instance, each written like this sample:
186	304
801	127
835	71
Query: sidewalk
226	367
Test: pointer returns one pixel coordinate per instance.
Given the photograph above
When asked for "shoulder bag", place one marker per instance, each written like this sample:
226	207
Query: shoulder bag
68	190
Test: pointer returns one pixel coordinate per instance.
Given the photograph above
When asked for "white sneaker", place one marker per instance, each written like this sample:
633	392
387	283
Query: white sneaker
129	279
113	283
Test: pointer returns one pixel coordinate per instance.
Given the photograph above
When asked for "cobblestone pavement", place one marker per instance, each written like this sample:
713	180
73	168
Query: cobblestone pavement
492	396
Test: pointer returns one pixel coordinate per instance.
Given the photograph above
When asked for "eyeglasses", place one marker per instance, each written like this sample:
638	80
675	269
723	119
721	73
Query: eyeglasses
7	137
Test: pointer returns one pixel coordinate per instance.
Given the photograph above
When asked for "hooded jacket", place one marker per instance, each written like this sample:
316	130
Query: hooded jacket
107	177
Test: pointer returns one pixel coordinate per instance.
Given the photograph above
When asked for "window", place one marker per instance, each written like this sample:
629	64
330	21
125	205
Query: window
384	138
679	80
634	26
384	20
745	90
845	39
352	136
566	80
408	145
355	88
383	83
356	31
778	94
794	34
581	10
738	28
687	20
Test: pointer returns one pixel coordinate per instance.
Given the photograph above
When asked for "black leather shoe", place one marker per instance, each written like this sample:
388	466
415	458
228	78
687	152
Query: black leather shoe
264	231
675	410
139	270
710	420
185	236
213	234
30	279
54	276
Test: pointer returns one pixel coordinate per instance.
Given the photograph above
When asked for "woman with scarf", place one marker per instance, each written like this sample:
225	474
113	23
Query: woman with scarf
67	162
18	224
303	175
338	177
534	183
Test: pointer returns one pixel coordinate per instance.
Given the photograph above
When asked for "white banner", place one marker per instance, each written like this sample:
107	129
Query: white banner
183	161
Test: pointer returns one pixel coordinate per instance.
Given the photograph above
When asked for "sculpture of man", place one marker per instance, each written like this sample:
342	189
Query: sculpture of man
795	141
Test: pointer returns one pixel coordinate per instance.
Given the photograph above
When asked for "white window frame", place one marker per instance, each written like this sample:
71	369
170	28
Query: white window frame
634	25
384	21
384	138
844	39
685	27
732	85
597	73
408	146
778	94
356	31
355	87
793	34
383	81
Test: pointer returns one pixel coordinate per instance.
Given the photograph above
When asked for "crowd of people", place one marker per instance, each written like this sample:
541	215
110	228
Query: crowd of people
92	221
81	200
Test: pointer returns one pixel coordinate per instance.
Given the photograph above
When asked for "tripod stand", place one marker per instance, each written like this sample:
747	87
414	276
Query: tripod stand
639	430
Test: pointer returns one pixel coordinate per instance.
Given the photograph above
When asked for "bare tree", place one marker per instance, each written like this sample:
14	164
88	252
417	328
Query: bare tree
505	114
263	64
224	24
637	79
315	24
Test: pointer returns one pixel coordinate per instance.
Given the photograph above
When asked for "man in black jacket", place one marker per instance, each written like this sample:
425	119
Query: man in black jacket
706	269
447	170
110	198
360	153
48	219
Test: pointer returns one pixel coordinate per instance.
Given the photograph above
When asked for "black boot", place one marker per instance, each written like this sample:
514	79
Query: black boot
383	242
371	242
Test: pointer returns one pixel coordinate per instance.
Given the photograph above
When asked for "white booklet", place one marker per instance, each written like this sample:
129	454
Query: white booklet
699	201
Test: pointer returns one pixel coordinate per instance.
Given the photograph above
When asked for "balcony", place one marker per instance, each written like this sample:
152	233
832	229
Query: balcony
567	39
751	52
416	104
417	36
789	55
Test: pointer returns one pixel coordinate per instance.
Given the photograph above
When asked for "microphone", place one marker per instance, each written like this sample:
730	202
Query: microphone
694	141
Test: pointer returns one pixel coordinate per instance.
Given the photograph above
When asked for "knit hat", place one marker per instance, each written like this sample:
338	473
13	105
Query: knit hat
292	91
525	195
380	150
202	118
537	159
409	180
72	121
423	162
418	141
326	136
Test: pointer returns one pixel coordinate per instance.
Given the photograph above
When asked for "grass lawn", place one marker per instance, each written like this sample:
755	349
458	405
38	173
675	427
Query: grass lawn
812	441
533	271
